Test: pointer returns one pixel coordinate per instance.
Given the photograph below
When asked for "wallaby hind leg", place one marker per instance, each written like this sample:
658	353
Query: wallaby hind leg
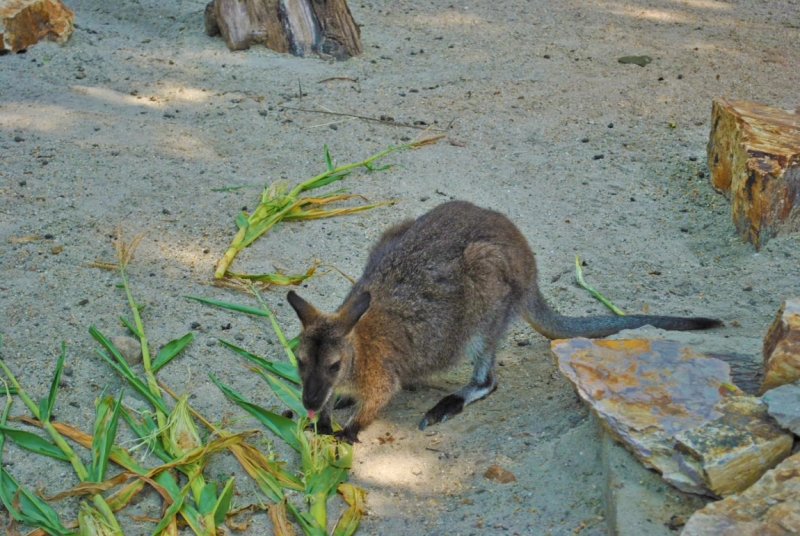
481	384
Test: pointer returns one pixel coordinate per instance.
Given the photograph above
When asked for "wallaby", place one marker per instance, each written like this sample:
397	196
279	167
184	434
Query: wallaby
434	289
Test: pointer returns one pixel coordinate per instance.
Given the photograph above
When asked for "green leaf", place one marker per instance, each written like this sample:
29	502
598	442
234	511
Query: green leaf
31	509
51	399
170	350
289	394
146	429
280	425
104	435
227	189
241	221
328	162
131	327
331	178
232	306
280	368
208	499
223	503
174	508
33	443
135	382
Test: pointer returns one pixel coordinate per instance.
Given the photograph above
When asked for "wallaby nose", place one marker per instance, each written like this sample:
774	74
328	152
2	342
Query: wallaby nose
312	401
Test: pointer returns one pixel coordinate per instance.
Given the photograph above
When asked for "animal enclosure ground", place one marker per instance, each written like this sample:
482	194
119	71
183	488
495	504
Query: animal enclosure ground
141	116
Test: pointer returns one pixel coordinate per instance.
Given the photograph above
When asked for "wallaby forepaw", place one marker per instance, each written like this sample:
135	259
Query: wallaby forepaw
343	402
347	434
447	407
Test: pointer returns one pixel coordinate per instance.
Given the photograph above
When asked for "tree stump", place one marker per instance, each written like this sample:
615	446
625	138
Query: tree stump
26	22
301	27
754	158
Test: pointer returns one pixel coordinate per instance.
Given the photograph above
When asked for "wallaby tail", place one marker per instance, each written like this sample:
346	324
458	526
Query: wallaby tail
556	326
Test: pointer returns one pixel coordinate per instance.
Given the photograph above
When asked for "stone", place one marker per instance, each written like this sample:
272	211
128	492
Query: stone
754	158
735	450
770	507
24	23
782	347
676	411
130	349
783	404
498	474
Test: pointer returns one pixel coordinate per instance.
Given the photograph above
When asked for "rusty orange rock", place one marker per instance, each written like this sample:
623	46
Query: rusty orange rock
782	347
26	22
770	506
676	410
754	158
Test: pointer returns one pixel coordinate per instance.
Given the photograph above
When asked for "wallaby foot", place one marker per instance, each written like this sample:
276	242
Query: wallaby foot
348	434
452	405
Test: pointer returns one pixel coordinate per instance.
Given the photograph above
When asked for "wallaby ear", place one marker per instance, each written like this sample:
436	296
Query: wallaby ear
354	310
306	312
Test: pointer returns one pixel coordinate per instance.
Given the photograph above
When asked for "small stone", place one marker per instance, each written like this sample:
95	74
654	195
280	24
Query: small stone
166	212
584	140
49	236
195	325
83	302
523	342
68	371
498	474
684	229
424	198
55	250
130	349
546	56
611	125
19	139
680	77
74	404
782	347
169	116
598	156
783	405
333	127
692	159
23	183
211	342
239	336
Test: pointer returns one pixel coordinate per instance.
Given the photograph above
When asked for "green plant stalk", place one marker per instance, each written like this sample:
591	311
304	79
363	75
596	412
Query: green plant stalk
290	200
80	469
592	291
137	318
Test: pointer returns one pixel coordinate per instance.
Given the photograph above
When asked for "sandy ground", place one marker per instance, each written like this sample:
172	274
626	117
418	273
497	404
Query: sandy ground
140	116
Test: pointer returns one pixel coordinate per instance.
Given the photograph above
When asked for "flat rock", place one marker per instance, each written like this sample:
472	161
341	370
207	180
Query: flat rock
771	506
26	22
677	411
754	158
783	404
782	347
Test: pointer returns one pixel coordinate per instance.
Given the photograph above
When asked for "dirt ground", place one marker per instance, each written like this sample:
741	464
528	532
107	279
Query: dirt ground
140	116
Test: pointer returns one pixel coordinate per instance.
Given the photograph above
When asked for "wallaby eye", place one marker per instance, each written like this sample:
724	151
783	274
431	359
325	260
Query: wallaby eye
336	366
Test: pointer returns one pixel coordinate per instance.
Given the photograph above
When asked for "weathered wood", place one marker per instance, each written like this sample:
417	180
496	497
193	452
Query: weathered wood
302	27
754	158
26	22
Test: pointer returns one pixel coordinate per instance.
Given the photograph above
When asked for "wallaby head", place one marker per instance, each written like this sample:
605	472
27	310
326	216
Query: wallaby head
325	349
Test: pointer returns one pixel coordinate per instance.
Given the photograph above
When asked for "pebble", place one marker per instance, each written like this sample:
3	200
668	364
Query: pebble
83	302
23	183
18	139
599	156
523	342
692	159
584	140
130	349
74	404
239	336
684	230
211	342
333	127
195	325
611	125
48	236
68	371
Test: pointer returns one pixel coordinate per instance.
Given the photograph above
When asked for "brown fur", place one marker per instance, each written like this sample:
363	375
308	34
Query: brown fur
434	289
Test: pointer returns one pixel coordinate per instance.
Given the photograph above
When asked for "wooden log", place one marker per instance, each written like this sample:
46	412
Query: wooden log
24	23
754	158
301	27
